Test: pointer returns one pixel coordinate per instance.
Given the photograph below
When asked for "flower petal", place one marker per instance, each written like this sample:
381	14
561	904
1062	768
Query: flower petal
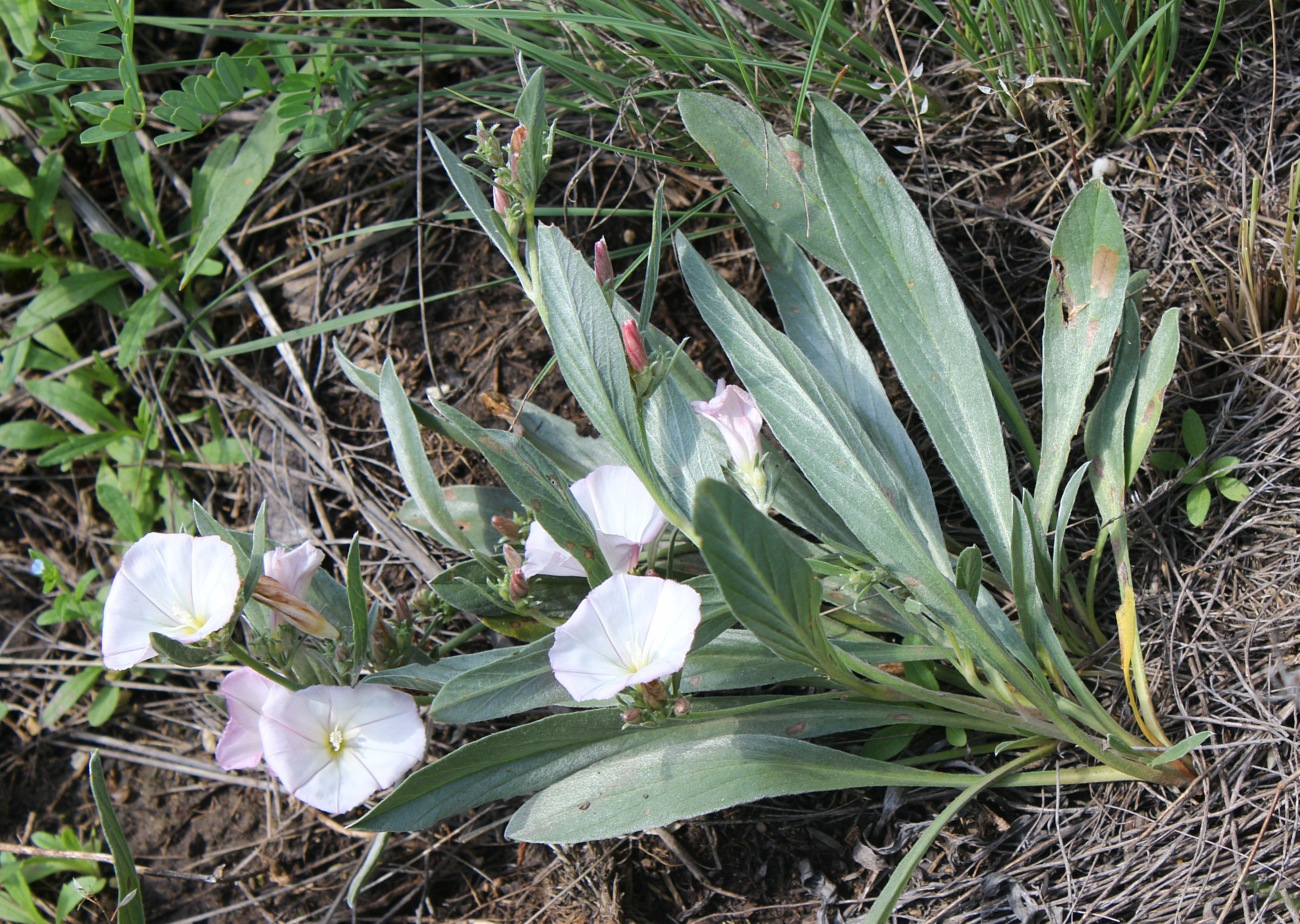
333	747
543	555
736	415
624	514
240	745
628	630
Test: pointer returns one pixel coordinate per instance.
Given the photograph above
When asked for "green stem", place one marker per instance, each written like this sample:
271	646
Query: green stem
243	657
445	649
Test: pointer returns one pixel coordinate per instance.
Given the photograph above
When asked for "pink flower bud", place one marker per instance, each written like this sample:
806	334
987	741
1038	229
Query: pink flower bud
514	561
635	347
500	201
517	139
518	586
681	705
633	716
604	268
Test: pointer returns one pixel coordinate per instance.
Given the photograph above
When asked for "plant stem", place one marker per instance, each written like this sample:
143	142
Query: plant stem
243	657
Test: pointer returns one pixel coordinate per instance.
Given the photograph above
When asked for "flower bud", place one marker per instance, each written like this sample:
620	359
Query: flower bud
514	561
681	705
518	586
633	716
634	346
506	526
604	268
501	202
517	139
271	593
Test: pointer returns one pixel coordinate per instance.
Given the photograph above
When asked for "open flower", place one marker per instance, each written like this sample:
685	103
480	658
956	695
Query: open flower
333	747
733	411
286	575
628	630
624	515
173	584
240	745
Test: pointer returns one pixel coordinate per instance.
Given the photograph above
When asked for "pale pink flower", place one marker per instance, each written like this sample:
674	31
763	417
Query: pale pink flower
733	411
625	517
333	747
629	630
240	745
173	584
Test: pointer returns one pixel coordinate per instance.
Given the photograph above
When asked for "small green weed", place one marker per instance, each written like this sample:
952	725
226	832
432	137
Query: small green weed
18	903
1200	471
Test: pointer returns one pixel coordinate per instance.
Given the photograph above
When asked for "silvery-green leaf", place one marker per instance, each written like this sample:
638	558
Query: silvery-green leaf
1084	303
919	315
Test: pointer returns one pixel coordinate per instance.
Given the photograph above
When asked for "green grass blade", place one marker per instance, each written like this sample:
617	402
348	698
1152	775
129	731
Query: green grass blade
130	904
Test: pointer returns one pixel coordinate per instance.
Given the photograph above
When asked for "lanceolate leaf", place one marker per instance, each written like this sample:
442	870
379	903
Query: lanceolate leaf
649	788
813	425
413	463
1154	371
920	317
534	756
1085	299
816	325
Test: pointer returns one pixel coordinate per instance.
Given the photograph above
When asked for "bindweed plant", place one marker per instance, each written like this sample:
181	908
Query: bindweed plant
698	604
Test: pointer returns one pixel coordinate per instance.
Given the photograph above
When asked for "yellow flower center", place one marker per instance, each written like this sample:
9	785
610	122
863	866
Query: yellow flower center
336	740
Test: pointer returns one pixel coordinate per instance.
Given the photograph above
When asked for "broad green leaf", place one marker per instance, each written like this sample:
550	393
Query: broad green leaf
24	435
104	705
919	315
143	315
130	904
21	19
530	112
650	788
13	179
1083	306
197	655
135	165
236	183
45	188
1104	434
533	756
412	462
1182	748
816	325
1232	489
47	307
540	486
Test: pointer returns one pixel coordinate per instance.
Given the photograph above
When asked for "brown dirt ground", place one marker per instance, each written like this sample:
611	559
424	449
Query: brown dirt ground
1219	603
